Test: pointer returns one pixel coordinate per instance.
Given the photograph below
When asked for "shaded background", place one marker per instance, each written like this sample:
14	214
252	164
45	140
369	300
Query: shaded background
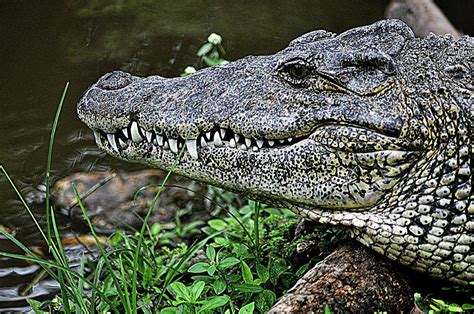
46	43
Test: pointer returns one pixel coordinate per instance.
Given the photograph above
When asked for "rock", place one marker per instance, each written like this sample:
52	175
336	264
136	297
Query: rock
109	197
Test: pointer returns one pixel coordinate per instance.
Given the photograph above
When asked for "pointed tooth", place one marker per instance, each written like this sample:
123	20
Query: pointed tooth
192	149
237	137
126	133
243	147
148	135
217	139
166	145
112	142
122	143
208	135
281	141
290	139
173	145
248	142
203	141
159	139
222	131
97	136
232	143
271	143
255	148
259	143
134	130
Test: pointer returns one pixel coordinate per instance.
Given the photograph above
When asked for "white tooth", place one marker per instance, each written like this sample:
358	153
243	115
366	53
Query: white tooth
259	143
208	135
148	135
192	149
166	145
203	141
237	137
97	136
248	142
173	145
243	147
125	132
217	139
222	131
159	139
122	143
136	137
232	143
255	148
271	143
112	143
281	141
290	139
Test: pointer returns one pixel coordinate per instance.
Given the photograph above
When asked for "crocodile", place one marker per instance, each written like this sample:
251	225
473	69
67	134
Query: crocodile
370	129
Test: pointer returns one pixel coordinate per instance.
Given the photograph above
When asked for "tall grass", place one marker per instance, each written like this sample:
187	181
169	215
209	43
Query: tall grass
73	282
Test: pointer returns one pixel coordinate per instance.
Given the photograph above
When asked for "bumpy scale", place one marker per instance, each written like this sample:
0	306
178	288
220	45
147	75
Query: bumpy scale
371	129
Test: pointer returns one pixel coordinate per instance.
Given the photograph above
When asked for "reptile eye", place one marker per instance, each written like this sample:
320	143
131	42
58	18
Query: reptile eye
297	71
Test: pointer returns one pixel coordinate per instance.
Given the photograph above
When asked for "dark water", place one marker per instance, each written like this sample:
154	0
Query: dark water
46	43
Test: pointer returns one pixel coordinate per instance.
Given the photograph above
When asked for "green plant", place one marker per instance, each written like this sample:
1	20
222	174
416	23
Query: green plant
211	54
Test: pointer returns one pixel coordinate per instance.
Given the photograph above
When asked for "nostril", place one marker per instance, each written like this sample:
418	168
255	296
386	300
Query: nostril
114	80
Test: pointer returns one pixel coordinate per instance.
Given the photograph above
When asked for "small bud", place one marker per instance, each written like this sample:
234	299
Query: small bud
189	70
214	39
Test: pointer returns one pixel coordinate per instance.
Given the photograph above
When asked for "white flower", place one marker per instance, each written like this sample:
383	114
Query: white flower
214	39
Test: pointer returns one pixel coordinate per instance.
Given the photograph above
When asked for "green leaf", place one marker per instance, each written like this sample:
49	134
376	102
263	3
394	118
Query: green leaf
211	270
327	310
206	48
262	272
247	273
196	289
214	302
199	267
219	286
217	224
211	252
36	306
205	278
265	300
180	290
455	308
155	229
221	241
278	266
439	302
468	306
248	288
169	310
229	262
210	62
247	309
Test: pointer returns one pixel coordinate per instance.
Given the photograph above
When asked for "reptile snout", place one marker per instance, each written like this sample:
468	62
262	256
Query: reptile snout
114	80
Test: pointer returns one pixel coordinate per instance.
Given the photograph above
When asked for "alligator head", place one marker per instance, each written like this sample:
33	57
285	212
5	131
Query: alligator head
344	129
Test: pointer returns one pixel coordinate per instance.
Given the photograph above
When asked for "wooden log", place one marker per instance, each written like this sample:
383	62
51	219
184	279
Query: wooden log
423	17
353	278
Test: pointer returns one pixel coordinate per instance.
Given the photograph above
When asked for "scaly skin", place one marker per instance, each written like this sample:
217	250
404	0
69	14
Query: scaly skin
371	129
